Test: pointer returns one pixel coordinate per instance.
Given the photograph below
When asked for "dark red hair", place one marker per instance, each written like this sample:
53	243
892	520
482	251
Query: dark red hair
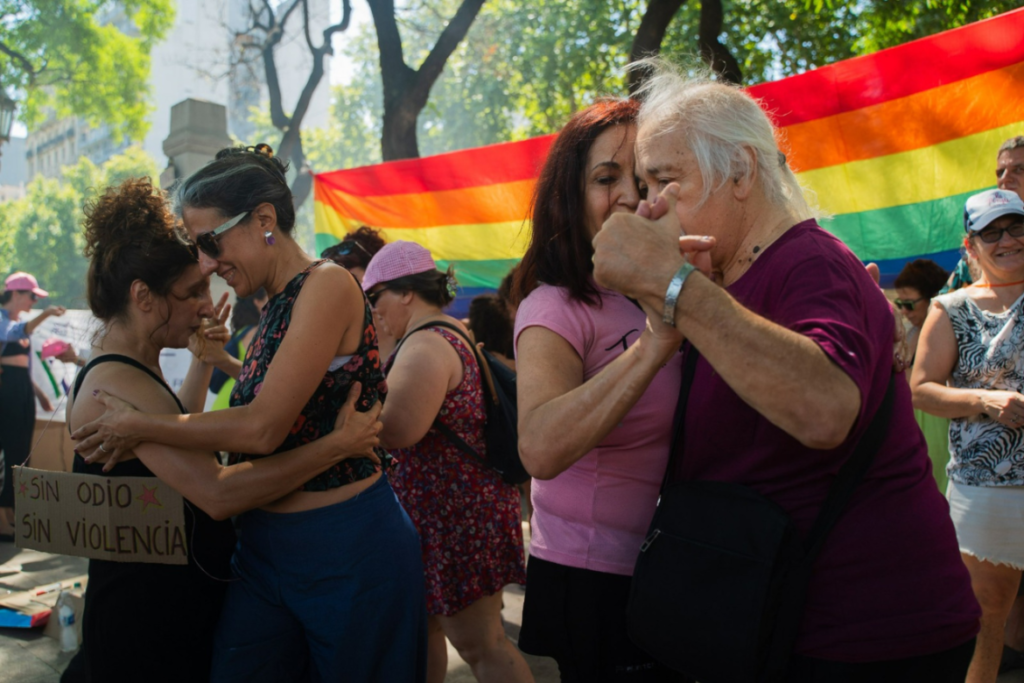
560	250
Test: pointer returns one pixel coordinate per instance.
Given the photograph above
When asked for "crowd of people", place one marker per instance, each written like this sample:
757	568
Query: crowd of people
347	535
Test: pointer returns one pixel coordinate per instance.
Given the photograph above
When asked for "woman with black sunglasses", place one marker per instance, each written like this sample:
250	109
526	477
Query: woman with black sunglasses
916	285
330	576
970	368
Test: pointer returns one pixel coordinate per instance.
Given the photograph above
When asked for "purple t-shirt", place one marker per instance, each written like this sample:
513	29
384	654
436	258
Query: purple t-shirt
889	582
595	514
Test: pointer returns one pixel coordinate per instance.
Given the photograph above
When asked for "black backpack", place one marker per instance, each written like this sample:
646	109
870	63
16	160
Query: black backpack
501	431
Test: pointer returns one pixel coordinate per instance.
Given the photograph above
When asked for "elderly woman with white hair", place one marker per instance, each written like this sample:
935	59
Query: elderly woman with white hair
794	342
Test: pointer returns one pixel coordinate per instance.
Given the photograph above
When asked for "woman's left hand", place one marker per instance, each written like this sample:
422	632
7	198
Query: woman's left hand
108	438
215	334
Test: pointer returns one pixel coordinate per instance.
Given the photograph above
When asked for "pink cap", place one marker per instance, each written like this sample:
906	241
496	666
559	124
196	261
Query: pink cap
396	260
23	282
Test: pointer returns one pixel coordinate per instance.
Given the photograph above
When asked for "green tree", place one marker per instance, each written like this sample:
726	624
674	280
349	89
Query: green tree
69	55
525	67
42	233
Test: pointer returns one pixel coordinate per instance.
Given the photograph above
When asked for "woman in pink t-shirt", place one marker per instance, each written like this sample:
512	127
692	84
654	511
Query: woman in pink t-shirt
595	484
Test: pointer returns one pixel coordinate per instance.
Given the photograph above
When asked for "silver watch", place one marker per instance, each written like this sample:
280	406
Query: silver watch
675	286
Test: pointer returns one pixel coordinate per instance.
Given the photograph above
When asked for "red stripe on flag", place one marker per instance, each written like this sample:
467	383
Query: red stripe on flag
896	72
478	167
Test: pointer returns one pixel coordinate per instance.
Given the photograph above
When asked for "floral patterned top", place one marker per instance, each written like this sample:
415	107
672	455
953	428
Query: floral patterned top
318	416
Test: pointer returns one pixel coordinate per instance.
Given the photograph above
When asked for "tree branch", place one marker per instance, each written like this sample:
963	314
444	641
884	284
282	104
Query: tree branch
26	65
395	73
713	52
449	39
650	34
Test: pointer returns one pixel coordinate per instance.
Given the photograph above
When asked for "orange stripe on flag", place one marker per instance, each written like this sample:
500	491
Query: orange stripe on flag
908	123
499	203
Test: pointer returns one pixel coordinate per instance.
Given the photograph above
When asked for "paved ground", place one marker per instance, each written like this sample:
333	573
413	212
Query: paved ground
31	657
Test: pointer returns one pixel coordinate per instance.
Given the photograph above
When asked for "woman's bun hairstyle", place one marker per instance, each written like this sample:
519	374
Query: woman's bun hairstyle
238	180
131	234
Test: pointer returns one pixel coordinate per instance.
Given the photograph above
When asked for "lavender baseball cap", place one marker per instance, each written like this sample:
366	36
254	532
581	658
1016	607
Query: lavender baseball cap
395	260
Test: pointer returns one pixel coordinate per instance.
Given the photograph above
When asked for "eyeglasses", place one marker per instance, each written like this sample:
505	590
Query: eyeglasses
32	295
907	305
374	295
993	235
209	242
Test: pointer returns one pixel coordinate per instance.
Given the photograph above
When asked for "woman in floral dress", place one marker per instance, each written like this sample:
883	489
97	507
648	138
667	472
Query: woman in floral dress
467	517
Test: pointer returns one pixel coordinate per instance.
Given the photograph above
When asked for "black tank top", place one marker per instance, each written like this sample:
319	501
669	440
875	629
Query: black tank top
158	618
211	542
14	348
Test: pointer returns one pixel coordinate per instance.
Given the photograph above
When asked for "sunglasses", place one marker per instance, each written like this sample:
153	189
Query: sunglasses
32	295
346	247
907	305
993	235
374	295
209	242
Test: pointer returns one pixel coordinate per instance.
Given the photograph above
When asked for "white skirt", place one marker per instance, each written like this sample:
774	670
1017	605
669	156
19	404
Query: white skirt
989	522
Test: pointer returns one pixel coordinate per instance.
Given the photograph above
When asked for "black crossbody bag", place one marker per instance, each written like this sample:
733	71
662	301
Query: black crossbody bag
719	586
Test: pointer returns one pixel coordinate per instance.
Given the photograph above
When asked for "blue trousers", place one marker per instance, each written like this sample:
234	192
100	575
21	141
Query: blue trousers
332	594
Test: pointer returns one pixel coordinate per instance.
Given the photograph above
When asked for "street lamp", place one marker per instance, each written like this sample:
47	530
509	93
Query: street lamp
7	106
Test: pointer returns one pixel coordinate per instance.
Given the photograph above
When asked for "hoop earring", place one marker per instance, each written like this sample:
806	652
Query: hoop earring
269	237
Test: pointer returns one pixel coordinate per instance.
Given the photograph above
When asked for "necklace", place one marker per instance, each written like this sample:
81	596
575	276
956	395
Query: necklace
985	285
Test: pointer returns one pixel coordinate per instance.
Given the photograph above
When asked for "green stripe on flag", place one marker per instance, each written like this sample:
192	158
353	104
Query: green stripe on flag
903	231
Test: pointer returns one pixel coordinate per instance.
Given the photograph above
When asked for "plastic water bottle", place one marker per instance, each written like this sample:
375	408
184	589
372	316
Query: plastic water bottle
66	614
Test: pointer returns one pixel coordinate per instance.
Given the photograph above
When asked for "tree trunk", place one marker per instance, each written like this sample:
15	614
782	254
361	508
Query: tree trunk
406	91
650	34
713	52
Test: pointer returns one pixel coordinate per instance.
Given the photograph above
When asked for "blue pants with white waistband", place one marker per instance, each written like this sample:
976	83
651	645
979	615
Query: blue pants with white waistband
332	594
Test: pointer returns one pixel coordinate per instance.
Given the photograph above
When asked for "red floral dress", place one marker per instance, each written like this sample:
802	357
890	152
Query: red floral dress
467	517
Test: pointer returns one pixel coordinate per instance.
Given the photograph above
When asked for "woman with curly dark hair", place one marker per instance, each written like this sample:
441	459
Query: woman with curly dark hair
355	250
146	288
330	575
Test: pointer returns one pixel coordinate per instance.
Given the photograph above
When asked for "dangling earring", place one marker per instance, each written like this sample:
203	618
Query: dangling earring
269	237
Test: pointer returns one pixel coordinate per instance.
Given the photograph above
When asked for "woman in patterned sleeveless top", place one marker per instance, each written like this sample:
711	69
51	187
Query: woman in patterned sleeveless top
970	367
468	518
330	576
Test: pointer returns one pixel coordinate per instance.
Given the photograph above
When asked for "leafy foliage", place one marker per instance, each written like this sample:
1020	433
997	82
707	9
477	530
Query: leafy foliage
41	233
70	55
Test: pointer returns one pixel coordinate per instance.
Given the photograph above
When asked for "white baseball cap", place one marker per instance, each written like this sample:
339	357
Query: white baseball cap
983	208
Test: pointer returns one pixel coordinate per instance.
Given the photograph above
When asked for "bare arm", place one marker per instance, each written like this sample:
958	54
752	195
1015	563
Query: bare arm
552	394
50	311
424	370
224	491
937	352
783	375
329	309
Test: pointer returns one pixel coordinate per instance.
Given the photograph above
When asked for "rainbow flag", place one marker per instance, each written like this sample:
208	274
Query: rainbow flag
891	143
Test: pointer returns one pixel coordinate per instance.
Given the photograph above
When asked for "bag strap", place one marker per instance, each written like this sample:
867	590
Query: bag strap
848	478
689	371
851	473
447	431
485	369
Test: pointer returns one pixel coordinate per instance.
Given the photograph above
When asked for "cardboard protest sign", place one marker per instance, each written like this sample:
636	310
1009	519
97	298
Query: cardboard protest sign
124	519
